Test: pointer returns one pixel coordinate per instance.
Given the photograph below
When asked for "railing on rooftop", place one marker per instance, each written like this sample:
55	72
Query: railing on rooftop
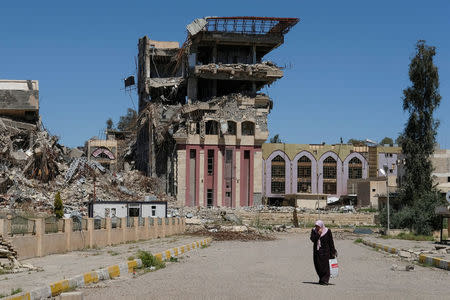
251	25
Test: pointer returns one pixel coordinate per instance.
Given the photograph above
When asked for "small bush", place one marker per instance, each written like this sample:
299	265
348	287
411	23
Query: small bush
58	206
148	260
131	257
113	253
16	291
358	240
173	259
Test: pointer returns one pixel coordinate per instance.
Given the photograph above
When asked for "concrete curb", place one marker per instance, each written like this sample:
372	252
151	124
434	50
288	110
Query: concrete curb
433	261
110	272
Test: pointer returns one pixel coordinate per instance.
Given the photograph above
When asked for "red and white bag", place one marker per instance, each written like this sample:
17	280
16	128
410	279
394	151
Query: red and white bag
334	268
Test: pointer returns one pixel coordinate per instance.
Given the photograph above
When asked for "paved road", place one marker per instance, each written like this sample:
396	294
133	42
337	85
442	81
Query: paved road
281	269
59	266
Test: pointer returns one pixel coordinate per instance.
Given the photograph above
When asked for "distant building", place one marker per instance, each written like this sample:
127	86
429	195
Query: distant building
331	170
104	152
441	174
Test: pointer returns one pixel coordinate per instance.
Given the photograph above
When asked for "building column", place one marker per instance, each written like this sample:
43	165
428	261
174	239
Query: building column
237	194
201	185
219	176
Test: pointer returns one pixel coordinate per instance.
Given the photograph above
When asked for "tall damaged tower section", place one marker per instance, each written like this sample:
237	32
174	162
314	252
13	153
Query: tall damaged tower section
202	119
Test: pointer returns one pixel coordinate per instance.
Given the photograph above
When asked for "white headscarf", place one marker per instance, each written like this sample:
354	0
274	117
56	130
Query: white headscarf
324	231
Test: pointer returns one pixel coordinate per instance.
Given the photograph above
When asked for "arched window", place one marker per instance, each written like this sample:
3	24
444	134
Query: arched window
248	128
278	175
354	168
304	175
212	127
329	175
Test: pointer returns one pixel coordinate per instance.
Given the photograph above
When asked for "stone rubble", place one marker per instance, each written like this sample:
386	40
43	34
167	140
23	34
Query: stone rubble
8	259
34	167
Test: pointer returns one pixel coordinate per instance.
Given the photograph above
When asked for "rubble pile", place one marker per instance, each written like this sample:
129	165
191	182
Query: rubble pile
8	259
34	167
227	235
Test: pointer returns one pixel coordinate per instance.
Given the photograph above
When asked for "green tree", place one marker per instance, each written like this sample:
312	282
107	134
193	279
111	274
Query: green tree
129	121
275	139
418	197
387	141
109	124
58	209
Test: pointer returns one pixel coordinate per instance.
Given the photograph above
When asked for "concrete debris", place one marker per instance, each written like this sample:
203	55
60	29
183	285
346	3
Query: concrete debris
34	167
409	268
231	218
8	259
235	235
196	26
404	254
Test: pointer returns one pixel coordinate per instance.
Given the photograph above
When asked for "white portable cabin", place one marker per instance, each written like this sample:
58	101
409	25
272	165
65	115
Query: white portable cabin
123	209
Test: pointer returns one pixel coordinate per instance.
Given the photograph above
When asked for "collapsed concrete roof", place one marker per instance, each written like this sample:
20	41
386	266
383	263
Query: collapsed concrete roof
19	99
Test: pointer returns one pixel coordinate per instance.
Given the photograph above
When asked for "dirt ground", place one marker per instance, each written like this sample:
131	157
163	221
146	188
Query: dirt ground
278	269
62	266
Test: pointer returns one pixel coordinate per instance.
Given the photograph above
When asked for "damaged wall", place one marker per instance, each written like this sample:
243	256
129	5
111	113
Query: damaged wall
19	99
204	149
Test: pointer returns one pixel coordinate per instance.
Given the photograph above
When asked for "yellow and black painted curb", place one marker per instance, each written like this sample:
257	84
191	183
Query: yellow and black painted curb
432	261
110	272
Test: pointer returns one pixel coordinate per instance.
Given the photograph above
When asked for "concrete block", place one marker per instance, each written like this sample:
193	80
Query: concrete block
71	296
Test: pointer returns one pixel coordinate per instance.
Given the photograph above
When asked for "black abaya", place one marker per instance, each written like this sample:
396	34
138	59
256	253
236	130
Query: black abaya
321	256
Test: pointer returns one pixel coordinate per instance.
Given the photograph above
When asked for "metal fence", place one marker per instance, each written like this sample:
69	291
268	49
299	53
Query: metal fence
173	221
53	224
167	221
159	221
130	222
99	223
141	221
76	224
21	225
116	222
151	221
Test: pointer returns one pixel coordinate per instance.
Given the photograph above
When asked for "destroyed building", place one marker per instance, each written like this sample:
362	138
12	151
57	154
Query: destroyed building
34	166
202	120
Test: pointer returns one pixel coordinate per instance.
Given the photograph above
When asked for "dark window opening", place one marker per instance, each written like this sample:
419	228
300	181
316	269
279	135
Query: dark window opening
228	156
329	168
354	168
248	128
212	127
304	175
209	197
329	188
153	210
246	154
133	211
278	175
231	127
210	162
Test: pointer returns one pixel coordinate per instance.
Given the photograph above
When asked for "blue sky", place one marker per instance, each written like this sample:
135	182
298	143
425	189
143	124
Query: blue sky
347	60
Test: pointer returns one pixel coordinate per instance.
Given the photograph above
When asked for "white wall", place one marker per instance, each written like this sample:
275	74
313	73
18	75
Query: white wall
122	212
147	210
121	209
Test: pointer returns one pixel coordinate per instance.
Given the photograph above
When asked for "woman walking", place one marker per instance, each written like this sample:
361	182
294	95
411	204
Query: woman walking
323	251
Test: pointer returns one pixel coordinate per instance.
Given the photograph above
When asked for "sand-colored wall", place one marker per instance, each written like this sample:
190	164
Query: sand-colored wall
41	244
